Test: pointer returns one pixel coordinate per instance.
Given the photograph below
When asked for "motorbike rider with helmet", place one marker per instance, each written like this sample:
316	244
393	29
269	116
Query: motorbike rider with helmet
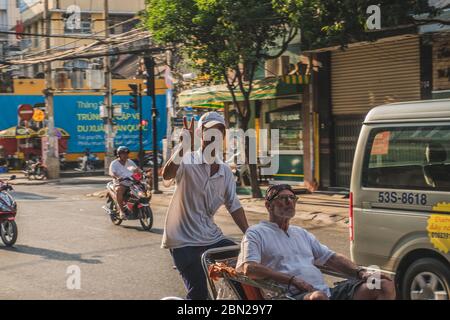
122	170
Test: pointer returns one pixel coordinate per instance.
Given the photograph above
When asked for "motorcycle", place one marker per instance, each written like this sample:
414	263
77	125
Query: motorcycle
35	169
8	210
136	199
148	160
241	174
62	162
87	162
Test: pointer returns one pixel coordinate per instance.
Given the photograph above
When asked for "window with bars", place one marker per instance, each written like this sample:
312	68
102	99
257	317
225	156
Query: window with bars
85	25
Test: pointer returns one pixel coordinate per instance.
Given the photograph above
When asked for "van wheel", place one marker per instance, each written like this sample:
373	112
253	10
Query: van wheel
426	279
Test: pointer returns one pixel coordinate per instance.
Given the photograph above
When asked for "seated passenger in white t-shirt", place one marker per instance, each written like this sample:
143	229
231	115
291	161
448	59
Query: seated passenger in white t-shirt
289	255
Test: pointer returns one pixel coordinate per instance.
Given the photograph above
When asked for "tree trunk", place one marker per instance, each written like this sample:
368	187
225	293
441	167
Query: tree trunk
256	191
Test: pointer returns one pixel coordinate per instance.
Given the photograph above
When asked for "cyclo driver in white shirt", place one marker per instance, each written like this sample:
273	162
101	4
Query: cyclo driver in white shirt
122	170
204	183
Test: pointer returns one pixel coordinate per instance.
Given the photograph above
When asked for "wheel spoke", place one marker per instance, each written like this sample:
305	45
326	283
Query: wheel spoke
416	295
421	281
434	281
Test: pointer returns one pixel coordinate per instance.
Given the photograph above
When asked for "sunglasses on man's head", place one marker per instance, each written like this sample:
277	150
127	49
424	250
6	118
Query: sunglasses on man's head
274	190
285	197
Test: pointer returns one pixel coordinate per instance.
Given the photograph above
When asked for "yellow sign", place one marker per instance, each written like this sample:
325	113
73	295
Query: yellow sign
38	115
439	228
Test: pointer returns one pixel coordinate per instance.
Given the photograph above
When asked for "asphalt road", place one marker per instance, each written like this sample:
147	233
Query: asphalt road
61	227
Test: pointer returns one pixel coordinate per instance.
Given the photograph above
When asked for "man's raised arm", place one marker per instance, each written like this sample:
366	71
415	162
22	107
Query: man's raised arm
170	168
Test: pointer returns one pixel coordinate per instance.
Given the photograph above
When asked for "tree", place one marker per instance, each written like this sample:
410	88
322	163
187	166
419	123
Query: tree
325	23
228	39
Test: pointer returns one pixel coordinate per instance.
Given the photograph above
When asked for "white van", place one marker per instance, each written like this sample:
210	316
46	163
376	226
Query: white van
400	196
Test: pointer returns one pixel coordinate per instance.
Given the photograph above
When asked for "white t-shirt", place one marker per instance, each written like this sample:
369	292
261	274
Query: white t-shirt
197	197
122	171
295	253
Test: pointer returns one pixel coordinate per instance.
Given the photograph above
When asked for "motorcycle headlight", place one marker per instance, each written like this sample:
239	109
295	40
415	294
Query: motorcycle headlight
142	194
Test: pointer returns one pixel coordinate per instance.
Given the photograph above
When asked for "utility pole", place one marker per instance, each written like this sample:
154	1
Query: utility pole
51	157
141	145
150	66
136	104
109	130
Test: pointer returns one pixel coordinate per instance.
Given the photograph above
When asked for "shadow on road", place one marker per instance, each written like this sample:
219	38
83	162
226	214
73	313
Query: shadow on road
153	230
19	195
52	254
157	230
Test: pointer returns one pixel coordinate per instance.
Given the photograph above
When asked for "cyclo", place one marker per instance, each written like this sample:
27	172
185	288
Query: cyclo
225	283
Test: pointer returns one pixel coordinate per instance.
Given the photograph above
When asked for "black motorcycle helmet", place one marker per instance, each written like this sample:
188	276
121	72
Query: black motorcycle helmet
122	149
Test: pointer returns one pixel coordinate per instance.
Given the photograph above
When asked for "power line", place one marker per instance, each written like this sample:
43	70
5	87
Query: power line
49	35
96	49
67	44
4	64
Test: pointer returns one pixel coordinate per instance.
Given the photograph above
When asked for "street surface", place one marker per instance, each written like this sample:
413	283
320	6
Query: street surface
63	225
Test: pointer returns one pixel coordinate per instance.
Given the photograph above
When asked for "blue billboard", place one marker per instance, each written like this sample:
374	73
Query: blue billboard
80	117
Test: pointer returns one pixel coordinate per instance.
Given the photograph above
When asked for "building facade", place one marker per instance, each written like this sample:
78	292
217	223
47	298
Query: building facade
408	67
9	14
62	13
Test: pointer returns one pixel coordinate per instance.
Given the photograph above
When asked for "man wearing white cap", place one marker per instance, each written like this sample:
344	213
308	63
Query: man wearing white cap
204	183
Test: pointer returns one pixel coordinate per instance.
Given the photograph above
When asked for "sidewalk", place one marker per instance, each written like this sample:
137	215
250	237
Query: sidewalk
22	180
312	210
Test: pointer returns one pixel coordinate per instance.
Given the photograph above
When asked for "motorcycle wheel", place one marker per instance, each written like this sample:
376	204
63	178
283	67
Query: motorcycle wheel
8	233
114	218
90	166
41	174
146	218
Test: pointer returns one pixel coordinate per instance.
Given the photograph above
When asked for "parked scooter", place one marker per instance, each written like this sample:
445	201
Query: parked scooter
62	162
241	174
8	210
137	201
35	169
148	160
87	162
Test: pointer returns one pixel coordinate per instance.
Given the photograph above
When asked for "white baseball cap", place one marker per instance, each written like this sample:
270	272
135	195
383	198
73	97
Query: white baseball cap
210	119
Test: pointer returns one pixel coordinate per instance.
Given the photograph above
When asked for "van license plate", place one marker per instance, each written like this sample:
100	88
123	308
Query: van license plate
410	198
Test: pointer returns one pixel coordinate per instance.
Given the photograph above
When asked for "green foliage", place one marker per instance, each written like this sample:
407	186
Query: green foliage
220	35
339	22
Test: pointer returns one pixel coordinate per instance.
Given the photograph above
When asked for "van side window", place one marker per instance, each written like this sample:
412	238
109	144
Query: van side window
408	158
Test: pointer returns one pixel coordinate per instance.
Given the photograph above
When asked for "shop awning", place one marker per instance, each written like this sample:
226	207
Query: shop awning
60	133
266	89
17	133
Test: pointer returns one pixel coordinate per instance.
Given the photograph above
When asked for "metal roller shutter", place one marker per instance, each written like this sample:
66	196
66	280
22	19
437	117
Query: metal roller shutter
346	132
369	75
363	77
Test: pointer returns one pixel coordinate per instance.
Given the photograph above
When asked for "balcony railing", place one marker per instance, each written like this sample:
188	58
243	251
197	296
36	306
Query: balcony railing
25	44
